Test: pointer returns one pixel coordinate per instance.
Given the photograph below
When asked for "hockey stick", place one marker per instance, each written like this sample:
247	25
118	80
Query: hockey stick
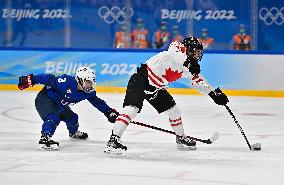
207	141
256	146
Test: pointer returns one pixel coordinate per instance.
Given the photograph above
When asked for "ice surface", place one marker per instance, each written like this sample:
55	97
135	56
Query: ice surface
152	157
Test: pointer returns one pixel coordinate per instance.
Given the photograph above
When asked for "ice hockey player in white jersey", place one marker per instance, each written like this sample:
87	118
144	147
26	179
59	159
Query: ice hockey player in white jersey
150	83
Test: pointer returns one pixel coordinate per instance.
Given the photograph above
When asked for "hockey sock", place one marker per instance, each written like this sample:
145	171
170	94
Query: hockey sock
123	120
175	120
177	126
120	125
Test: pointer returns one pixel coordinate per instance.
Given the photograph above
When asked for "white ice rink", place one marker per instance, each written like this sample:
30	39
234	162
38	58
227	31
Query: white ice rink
152	157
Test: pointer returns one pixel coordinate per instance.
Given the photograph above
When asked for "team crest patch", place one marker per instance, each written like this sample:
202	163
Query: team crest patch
171	75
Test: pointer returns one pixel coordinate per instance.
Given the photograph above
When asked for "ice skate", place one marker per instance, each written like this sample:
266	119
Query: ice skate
78	135
114	146
184	143
45	143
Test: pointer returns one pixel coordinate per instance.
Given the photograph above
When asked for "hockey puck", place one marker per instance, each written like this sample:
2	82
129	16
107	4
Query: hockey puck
256	146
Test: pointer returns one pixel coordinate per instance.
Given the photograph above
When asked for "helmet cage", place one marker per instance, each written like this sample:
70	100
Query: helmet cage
87	85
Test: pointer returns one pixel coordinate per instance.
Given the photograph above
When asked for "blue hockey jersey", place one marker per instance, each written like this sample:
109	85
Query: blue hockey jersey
63	90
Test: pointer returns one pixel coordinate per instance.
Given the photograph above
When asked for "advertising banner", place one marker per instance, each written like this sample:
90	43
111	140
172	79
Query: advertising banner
93	24
228	71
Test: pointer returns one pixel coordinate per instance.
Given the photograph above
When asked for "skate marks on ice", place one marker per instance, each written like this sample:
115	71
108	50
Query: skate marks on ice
10	113
152	157
15	113
141	151
182	165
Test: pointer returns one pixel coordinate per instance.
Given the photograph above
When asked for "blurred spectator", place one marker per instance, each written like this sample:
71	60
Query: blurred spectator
161	38
122	38
43	5
241	40
140	35
176	36
206	41
21	28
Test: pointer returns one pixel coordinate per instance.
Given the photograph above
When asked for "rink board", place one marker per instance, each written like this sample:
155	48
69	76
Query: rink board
240	74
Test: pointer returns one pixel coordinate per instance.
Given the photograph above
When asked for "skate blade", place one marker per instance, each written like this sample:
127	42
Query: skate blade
182	147
113	151
78	139
46	148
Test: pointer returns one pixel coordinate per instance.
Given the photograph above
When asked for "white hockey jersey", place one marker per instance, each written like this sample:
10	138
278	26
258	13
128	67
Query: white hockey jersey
164	68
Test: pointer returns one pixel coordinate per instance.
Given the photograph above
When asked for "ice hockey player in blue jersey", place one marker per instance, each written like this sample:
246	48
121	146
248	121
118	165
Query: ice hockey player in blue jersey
53	101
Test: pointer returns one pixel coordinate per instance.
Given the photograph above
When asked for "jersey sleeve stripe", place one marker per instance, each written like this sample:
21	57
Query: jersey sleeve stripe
200	80
154	81
154	75
195	77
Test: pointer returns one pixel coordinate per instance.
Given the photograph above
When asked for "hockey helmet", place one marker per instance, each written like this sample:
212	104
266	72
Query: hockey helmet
177	51
86	79
194	48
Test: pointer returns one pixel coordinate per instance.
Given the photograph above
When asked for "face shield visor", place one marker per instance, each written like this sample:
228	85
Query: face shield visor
87	85
197	55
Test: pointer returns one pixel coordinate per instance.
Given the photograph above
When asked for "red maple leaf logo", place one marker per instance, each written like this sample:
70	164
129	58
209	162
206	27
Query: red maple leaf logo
171	75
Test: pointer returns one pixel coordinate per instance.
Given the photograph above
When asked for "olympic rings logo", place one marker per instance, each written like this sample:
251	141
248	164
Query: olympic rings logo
272	15
115	14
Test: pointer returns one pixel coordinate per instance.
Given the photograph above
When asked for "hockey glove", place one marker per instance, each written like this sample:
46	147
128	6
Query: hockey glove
111	115
26	81
219	97
193	67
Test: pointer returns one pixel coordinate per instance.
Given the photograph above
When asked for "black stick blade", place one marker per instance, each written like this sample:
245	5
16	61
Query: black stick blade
256	146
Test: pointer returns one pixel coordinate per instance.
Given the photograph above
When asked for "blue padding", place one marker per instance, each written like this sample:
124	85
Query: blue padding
50	123
72	124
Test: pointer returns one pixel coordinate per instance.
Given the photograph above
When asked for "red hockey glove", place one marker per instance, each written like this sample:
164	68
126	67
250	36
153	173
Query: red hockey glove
26	81
111	115
219	97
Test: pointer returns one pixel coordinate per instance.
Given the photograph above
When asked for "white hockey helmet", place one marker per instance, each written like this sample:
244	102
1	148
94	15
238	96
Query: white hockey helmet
177	51
86	79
